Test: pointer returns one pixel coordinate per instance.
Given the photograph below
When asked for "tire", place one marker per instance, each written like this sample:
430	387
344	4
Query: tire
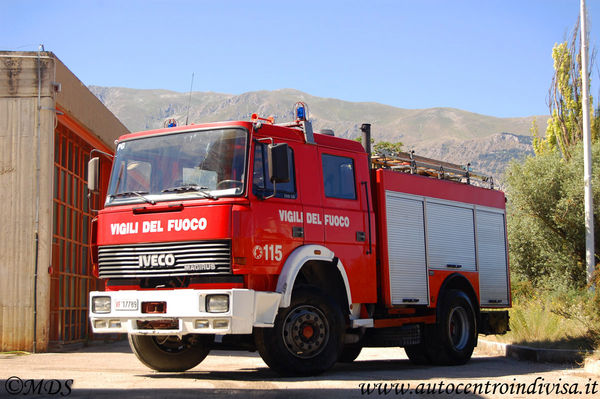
418	354
424	352
307	337
170	353
349	353
455	333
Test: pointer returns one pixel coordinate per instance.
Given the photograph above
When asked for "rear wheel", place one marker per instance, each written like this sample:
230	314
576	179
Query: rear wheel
170	353
456	331
452	339
307	336
424	352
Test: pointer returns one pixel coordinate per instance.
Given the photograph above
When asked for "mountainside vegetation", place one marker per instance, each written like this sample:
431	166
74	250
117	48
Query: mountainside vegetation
450	134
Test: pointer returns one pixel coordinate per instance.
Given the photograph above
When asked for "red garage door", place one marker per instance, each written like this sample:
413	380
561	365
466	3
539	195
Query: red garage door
71	274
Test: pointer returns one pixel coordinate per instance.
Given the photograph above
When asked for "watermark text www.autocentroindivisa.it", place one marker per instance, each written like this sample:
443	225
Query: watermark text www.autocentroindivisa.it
25	387
538	387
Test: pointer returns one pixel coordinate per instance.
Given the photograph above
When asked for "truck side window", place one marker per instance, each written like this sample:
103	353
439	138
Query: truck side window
338	177
261	186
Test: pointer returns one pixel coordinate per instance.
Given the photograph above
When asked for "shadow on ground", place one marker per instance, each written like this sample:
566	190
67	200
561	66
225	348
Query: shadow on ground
243	393
396	370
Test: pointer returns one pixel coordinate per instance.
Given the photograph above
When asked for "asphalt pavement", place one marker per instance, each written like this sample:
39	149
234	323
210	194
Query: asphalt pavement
107	370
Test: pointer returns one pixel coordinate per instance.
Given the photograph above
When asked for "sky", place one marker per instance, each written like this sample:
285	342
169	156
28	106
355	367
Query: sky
492	57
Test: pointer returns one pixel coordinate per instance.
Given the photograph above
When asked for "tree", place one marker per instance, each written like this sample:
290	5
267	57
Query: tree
565	126
545	224
384	148
387	149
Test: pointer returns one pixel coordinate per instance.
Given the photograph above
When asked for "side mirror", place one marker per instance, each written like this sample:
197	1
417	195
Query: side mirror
278	163
93	175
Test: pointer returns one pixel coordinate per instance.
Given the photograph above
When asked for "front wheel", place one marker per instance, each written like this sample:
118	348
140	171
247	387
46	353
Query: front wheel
349	353
307	337
170	353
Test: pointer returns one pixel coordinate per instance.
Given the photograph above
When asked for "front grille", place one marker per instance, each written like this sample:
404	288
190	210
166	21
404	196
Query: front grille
165	259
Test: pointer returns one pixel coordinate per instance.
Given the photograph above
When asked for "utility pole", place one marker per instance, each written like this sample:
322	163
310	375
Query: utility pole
587	152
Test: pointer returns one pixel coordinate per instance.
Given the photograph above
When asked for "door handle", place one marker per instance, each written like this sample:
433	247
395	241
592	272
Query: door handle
360	236
297	232
410	300
364	183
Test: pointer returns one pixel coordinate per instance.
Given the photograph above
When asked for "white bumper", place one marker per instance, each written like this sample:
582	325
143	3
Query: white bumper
185	312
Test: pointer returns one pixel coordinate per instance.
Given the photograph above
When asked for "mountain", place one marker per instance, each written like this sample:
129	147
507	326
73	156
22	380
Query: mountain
454	135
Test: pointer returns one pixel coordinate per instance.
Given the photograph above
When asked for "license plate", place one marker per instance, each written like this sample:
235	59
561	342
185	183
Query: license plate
126	304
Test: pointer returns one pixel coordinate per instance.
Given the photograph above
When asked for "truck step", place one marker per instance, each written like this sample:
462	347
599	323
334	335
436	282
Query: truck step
393	336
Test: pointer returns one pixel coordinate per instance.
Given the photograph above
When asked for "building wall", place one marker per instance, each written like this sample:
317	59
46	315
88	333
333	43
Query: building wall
27	183
98	125
23	180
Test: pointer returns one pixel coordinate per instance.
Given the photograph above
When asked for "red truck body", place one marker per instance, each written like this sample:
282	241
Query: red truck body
206	239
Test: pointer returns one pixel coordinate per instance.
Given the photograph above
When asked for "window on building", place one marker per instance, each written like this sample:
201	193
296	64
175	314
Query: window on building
261	186
338	177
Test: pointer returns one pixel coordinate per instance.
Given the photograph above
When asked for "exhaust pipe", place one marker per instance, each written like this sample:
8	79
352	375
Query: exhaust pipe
366	139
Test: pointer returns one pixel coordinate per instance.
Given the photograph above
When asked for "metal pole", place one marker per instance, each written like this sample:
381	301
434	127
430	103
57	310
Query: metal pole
587	152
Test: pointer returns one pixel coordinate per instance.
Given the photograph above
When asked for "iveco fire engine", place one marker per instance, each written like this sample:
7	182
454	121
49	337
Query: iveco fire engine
273	237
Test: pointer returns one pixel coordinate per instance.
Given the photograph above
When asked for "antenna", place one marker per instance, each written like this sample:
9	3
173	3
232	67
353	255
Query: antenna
190	100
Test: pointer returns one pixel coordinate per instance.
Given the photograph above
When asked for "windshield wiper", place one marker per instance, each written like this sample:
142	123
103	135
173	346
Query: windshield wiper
134	193
190	187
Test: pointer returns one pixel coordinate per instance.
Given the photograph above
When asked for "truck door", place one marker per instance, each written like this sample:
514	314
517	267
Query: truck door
278	221
345	219
310	186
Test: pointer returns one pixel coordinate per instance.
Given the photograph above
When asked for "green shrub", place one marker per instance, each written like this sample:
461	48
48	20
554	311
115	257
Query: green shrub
545	219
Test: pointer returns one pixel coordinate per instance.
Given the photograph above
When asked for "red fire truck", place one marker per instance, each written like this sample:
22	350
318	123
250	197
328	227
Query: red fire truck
253	235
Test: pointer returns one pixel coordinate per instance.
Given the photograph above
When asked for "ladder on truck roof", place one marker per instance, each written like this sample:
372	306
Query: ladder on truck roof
408	162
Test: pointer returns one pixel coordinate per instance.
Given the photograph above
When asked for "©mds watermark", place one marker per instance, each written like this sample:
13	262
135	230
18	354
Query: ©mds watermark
18	386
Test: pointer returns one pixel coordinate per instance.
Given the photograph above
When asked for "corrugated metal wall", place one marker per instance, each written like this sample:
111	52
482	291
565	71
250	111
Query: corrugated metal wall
19	188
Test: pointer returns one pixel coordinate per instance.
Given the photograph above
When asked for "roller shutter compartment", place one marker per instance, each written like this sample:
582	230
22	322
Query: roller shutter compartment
450	236
406	250
491	251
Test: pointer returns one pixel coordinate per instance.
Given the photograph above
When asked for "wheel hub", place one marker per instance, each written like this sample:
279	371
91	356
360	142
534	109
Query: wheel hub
170	344
305	331
459	328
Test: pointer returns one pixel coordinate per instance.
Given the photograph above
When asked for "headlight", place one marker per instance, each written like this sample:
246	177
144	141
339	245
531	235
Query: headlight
101	304
217	303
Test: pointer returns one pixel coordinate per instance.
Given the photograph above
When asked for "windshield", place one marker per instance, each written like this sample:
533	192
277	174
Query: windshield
198	164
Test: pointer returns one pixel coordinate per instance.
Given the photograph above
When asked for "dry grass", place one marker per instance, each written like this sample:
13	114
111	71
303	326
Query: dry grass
535	322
